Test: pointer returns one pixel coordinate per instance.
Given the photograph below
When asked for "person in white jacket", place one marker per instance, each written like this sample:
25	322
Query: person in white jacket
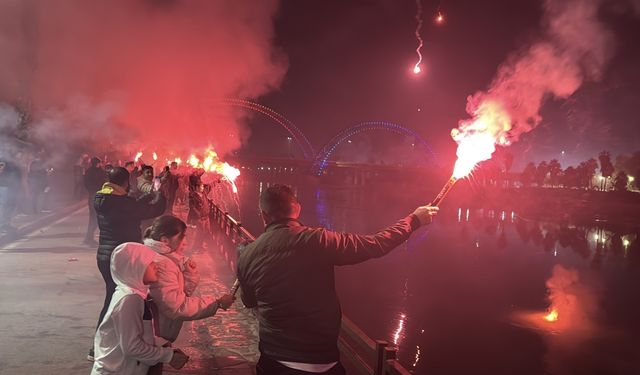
122	344
172	299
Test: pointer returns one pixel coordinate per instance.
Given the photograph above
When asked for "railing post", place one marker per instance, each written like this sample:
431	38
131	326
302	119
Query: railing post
379	365
389	354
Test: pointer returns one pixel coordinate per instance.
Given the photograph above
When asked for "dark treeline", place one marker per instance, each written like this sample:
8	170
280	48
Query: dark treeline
602	173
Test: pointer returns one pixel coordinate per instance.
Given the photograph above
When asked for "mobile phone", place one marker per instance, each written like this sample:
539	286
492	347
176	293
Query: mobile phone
156	184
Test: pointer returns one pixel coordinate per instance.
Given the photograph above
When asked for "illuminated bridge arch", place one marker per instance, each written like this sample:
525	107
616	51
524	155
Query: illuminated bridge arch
297	135
322	159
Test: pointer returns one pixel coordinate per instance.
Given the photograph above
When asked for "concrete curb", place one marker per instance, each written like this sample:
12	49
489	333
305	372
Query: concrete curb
40	222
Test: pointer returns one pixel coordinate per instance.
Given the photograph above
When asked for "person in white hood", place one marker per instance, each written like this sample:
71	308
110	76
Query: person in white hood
122	344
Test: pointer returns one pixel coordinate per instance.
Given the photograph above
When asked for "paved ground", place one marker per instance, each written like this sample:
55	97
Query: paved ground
51	293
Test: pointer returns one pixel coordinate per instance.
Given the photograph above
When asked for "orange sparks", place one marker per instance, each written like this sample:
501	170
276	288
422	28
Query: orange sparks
552	316
211	163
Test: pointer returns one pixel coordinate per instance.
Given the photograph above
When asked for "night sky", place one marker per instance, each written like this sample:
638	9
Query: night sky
351	62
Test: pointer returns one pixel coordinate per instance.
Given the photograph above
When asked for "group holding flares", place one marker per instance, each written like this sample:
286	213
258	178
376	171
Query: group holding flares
209	163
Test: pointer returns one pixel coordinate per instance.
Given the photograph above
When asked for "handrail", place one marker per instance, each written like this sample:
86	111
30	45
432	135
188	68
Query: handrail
364	355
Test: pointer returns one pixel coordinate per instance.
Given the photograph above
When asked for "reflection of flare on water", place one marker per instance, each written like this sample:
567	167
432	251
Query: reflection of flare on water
397	334
552	316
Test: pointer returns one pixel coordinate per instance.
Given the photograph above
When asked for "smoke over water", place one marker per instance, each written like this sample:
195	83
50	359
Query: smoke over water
574	47
136	72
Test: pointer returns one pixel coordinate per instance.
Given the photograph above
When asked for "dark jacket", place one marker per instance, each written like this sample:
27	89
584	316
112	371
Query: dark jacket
288	273
119	218
94	177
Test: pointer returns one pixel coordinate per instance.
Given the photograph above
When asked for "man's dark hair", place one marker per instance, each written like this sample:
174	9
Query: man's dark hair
145	167
95	161
119	176
277	201
129	163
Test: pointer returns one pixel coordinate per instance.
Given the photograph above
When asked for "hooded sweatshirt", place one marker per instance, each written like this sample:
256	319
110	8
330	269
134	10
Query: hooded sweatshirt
172	301
122	345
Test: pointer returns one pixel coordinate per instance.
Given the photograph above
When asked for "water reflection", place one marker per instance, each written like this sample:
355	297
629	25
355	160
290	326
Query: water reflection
597	242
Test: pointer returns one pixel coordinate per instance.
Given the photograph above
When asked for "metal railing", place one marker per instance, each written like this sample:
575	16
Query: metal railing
360	353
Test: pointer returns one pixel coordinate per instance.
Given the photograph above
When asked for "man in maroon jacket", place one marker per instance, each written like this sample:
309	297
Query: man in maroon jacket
288	275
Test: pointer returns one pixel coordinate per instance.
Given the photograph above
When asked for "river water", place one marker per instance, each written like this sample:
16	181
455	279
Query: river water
469	293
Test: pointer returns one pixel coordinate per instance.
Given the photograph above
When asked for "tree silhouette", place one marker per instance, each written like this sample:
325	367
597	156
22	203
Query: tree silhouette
529	174
586	171
606	167
541	173
555	169
621	181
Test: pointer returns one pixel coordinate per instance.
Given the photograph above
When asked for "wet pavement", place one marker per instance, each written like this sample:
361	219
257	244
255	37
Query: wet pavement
51	293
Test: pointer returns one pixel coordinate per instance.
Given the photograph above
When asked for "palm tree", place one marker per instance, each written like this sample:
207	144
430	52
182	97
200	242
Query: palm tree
554	172
528	175
621	181
541	173
606	167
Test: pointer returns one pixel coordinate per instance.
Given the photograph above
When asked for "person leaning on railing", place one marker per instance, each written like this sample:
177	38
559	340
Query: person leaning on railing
172	299
287	273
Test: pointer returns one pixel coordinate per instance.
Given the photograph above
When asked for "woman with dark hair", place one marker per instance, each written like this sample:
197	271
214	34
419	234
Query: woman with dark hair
172	299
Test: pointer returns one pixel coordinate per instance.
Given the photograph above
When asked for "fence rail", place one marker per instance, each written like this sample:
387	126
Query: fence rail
359	352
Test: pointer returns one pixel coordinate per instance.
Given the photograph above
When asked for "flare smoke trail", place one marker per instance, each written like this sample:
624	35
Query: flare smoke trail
93	72
417	68
575	46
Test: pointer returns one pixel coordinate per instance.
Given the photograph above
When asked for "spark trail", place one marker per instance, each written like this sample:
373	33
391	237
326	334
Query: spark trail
417	69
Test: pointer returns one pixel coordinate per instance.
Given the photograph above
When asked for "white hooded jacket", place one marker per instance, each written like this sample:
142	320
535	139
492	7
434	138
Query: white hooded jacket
172	300
122	345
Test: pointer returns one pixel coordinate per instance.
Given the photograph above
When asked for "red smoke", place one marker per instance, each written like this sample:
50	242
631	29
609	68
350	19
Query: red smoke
145	71
574	47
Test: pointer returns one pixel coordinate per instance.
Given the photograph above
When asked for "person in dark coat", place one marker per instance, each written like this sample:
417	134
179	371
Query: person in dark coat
94	177
37	182
287	273
10	182
171	182
119	217
198	216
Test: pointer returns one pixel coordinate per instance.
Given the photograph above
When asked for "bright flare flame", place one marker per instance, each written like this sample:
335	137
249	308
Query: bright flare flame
212	164
155	156
138	156
477	138
552	316
416	69
440	18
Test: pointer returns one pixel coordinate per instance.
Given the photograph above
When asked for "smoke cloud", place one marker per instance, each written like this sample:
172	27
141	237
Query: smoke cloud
575	47
140	72
575	304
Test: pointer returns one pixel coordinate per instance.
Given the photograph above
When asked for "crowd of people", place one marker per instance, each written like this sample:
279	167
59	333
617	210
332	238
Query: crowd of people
24	189
286	274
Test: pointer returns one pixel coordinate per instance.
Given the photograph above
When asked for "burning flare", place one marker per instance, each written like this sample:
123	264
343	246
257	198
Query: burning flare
477	138
155	156
138	156
211	163
552	316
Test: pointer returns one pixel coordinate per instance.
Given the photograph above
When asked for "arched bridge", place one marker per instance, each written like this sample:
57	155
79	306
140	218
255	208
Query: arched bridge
297	135
322	158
